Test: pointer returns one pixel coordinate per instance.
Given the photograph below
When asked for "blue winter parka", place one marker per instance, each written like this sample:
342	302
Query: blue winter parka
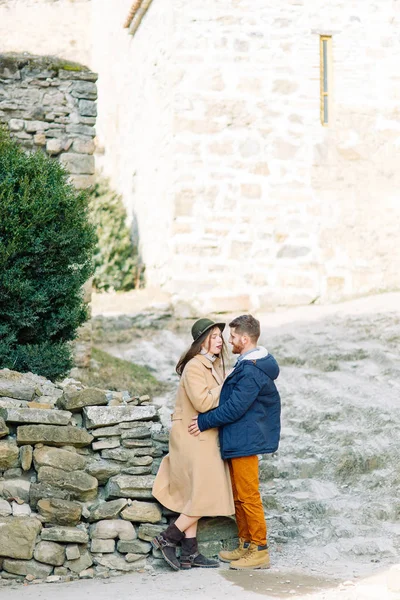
249	411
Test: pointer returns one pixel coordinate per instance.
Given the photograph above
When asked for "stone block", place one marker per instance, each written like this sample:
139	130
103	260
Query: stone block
16	124
39	139
108	510
78	163
137	470
48	456
79	75
54	146
291	251
133	546
84	89
79	484
25	457
87	108
72	552
16	488
78	129
142	512
9	454
14	385
102	546
80	564
5	508
131	443
113	528
59	512
27	567
50	553
105	444
74	400
21	510
32	415
40	491
216	529
83	146
53	435
12	473
3	428
99	417
65	534
103	469
147	531
18	536
130	486
118	562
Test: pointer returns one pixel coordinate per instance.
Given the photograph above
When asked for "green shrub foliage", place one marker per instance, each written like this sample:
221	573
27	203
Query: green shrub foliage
46	249
116	259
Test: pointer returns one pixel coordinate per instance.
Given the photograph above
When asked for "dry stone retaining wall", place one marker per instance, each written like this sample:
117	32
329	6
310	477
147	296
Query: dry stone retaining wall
77	467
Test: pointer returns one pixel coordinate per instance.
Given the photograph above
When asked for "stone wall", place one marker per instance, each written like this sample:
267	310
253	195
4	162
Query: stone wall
76	471
49	104
260	205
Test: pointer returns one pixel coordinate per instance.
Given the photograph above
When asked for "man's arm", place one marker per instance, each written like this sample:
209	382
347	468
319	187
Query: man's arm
243	395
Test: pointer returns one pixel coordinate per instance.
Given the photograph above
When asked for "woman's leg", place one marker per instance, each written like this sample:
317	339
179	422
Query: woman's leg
184	523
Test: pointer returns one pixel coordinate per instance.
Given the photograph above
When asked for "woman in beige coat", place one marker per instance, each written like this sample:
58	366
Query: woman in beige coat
193	480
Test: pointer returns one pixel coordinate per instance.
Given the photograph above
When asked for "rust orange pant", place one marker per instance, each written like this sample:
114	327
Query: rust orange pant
248	506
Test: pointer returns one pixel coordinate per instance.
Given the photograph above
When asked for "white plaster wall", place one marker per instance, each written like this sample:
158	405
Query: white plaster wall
135	120
47	27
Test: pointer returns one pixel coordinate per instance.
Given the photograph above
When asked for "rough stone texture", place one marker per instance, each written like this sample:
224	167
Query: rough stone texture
130	486
112	415
79	484
59	512
108	443
18	536
3	428
101	546
40	491
47	456
142	512
50	553
5	508
113	528
103	469
75	400
65	534
213	529
53	435
108	510
72	552
9	454
80	564
15	385
31	415
27	567
16	488
25	457
117	562
133	546
21	510
148	531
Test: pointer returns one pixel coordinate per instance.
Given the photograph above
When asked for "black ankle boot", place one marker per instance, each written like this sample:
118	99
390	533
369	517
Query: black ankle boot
167	542
190	556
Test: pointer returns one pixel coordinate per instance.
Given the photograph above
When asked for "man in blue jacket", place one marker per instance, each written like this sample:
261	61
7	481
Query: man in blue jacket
248	417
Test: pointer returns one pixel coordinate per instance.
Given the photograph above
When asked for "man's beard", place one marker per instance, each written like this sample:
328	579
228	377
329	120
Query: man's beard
236	349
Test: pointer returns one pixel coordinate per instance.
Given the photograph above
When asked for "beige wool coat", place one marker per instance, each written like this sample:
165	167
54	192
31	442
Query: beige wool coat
193	479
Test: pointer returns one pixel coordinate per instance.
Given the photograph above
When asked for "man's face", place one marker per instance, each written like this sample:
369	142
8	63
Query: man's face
237	341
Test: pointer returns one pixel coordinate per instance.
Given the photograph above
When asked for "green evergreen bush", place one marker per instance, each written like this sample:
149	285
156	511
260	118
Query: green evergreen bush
46	255
116	260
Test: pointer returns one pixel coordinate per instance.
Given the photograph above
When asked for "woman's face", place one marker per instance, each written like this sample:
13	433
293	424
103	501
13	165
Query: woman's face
213	343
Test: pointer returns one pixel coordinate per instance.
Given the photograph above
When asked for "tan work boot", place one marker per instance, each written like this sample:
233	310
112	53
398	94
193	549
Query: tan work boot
229	555
256	557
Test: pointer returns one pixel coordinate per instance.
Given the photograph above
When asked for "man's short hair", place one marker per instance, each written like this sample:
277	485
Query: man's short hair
247	324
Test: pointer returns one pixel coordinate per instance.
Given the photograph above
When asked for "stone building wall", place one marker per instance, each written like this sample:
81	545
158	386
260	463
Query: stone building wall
259	203
209	127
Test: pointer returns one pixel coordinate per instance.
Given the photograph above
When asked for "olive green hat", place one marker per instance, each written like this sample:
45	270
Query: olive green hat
203	325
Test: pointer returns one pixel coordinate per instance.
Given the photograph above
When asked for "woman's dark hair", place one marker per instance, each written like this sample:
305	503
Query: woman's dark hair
195	348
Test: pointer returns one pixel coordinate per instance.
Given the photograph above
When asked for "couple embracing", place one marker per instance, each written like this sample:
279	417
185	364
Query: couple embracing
219	427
